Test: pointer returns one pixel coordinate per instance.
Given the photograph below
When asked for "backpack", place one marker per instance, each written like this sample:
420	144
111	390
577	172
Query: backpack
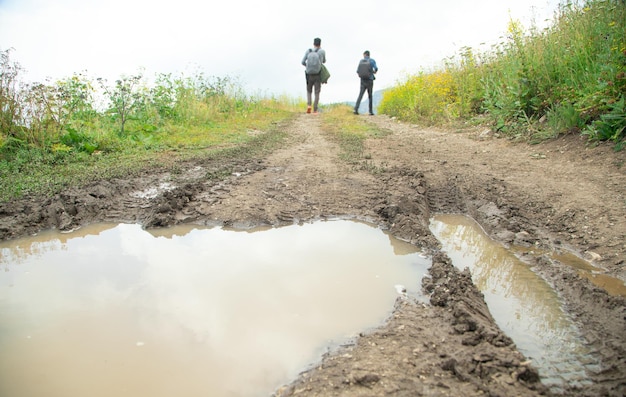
364	70
313	62
324	74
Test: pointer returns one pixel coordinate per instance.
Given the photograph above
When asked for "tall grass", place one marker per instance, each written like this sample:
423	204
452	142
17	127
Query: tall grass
75	130
569	77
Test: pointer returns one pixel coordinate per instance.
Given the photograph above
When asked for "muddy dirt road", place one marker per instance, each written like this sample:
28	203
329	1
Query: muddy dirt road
559	196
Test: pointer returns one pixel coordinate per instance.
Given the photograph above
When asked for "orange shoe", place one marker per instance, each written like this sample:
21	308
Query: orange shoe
308	109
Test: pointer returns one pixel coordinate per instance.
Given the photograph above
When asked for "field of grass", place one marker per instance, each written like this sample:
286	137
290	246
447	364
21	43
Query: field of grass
567	78
59	134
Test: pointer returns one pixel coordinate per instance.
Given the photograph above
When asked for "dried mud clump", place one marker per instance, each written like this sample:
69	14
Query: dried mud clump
453	289
472	321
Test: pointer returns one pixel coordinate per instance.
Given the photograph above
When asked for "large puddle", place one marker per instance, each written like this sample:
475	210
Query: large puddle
524	306
114	310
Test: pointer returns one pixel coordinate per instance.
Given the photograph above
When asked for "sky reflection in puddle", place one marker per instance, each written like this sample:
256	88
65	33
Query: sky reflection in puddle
524	306
116	310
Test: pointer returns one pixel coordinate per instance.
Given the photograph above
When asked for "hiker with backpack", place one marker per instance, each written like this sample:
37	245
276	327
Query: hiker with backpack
366	70
312	61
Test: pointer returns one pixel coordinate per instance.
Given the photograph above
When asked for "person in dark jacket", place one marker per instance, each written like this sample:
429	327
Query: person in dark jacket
366	70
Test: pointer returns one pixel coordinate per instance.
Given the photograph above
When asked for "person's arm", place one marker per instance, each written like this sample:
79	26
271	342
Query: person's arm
374	66
323	57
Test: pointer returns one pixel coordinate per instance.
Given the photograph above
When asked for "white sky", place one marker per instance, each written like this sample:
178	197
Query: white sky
259	42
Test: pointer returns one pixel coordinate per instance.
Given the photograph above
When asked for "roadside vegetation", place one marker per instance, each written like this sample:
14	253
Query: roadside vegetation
536	84
75	130
569	77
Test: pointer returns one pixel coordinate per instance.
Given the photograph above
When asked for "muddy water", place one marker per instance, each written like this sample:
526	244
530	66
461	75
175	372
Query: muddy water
113	310
611	285
524	306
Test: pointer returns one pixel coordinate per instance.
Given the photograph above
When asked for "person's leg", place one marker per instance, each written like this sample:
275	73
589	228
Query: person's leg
309	93
358	100
318	88
370	88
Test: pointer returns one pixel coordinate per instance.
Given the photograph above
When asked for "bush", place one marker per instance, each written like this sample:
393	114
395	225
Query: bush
572	74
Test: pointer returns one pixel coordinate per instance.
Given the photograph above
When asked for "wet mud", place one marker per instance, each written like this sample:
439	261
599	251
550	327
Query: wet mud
562	196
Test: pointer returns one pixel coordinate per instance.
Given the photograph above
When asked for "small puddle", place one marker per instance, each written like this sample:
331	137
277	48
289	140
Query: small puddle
114	310
524	306
613	286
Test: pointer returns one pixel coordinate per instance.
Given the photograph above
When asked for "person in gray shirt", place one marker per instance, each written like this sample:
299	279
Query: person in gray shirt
312	61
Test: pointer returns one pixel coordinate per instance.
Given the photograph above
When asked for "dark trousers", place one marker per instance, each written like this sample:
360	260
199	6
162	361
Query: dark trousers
366	85
313	81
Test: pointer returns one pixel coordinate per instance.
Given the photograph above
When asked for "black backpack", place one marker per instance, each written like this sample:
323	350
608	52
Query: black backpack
364	70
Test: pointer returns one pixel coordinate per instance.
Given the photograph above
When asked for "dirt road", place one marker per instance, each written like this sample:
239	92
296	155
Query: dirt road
559	196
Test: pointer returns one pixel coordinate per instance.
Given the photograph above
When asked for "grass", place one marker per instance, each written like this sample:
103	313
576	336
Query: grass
567	78
41	171
350	132
70	132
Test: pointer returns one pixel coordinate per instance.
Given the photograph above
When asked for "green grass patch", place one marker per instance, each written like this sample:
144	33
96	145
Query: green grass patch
537	84
350	132
44	171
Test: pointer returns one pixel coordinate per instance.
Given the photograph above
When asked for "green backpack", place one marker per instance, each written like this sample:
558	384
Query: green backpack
324	74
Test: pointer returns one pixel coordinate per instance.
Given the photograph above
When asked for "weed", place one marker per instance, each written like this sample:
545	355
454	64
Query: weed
68	142
572	74
350	133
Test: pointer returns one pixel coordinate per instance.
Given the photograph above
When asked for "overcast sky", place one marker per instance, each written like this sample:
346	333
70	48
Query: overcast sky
259	42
